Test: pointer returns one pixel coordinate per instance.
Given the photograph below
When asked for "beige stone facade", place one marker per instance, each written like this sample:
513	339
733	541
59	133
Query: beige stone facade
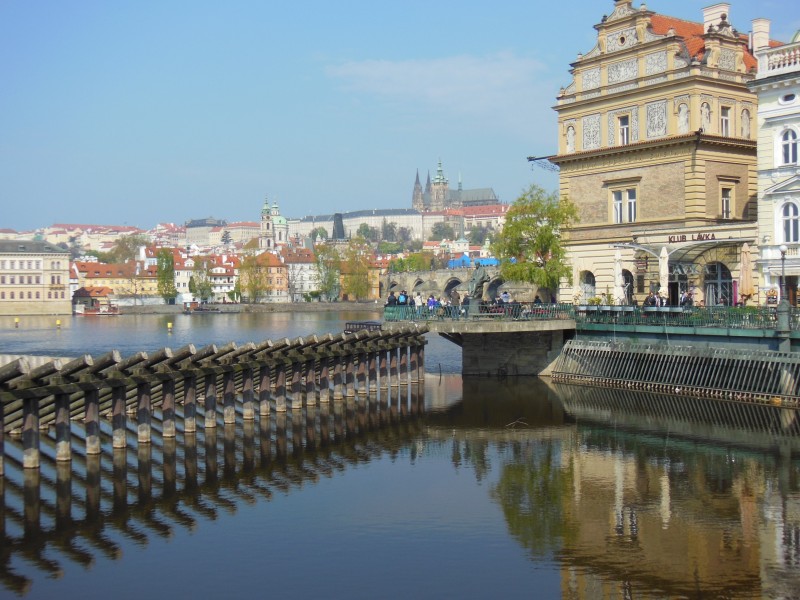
657	149
34	279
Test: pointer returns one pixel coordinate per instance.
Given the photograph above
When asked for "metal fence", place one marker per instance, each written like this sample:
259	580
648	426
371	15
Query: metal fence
724	317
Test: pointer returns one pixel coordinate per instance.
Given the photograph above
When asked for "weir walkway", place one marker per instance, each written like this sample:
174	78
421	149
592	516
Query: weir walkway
190	386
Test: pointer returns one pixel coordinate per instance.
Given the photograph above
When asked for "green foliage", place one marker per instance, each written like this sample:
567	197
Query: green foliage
165	274
226	237
532	236
202	281
418	261
478	234
356	269
253	278
367	233
126	247
319	233
390	247
328	269
389	231
442	231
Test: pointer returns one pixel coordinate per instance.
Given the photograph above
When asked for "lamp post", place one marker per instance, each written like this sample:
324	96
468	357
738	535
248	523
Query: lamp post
783	250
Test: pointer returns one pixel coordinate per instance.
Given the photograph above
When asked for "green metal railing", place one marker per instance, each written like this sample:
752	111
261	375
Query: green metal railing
722	317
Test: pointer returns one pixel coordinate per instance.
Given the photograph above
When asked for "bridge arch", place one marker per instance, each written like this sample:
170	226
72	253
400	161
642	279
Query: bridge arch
451	284
492	289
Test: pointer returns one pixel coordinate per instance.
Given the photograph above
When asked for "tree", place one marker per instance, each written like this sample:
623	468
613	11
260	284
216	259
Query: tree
418	261
442	231
478	234
390	247
356	268
165	274
319	233
328	269
404	235
367	233
226	237
126	247
529	245
203	288
253	278
388	231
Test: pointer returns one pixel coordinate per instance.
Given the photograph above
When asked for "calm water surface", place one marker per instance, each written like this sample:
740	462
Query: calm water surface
473	489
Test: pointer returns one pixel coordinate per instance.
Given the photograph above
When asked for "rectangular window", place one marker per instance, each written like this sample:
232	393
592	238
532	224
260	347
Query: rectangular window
726	198
631	206
618	207
624	130
725	121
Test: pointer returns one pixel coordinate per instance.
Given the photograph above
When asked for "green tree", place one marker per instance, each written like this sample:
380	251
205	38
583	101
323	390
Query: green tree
388	231
418	261
390	247
478	235
356	268
442	231
319	233
126	247
165	274
329	265
403	235
367	233
201	274
532	237
226	237
253	275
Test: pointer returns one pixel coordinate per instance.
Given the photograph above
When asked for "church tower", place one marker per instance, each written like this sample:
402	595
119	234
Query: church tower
266	240
417	198
439	190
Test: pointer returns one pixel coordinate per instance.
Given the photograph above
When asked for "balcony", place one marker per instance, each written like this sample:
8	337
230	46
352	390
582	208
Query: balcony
778	61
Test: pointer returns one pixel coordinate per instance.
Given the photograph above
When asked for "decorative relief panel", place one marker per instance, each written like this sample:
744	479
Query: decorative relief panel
654	80
649	36
590	95
678	100
619	40
727	59
657	119
593	52
591	132
591	79
623	88
681	60
620	11
623	71
655	63
570	88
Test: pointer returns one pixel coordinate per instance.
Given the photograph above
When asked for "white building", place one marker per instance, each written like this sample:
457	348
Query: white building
778	87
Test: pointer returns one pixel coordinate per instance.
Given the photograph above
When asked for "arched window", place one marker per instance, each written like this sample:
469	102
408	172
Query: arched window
717	284
789	147
588	285
790	223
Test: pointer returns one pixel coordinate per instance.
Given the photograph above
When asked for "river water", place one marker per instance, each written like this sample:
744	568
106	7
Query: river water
475	488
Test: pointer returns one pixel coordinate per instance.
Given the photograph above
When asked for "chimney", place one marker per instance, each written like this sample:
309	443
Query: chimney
760	34
712	15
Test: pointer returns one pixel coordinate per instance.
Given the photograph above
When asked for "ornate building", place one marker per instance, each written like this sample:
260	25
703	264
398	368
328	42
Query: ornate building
34	278
274	227
438	196
657	149
778	87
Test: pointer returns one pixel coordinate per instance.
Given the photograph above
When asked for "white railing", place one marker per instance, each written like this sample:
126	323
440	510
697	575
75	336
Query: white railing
775	61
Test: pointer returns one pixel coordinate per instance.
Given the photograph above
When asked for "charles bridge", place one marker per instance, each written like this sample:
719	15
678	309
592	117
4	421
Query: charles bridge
440	282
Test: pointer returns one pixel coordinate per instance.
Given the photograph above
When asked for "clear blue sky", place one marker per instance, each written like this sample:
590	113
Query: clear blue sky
141	111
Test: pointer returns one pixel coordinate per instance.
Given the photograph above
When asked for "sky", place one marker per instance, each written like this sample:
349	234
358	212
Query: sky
135	112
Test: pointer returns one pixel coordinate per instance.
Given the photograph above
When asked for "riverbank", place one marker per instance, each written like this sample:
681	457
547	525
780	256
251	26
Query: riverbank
272	307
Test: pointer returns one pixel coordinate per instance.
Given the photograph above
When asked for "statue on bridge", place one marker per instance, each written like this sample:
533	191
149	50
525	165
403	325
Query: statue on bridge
476	283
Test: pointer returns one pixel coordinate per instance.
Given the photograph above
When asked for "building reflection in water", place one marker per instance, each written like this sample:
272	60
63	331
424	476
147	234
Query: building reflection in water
631	495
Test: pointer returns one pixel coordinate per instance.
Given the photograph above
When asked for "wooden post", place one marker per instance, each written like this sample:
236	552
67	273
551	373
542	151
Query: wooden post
280	434
30	433
63	495
280	388
91	421
119	425
337	378
212	463
362	374
168	408
404	365
421	364
414	363
228	397
324	382
264	389
311	383
296	387
248	411
143	412
311	427
372	386
63	430
349	383
190	403
393	378
384	372
210	421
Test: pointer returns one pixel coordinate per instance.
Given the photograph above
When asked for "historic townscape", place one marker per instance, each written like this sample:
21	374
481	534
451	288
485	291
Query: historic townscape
677	144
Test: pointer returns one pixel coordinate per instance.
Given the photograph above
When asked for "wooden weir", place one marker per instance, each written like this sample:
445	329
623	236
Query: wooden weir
757	376
261	377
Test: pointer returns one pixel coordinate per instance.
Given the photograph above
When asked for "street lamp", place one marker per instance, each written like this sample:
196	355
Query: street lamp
783	250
